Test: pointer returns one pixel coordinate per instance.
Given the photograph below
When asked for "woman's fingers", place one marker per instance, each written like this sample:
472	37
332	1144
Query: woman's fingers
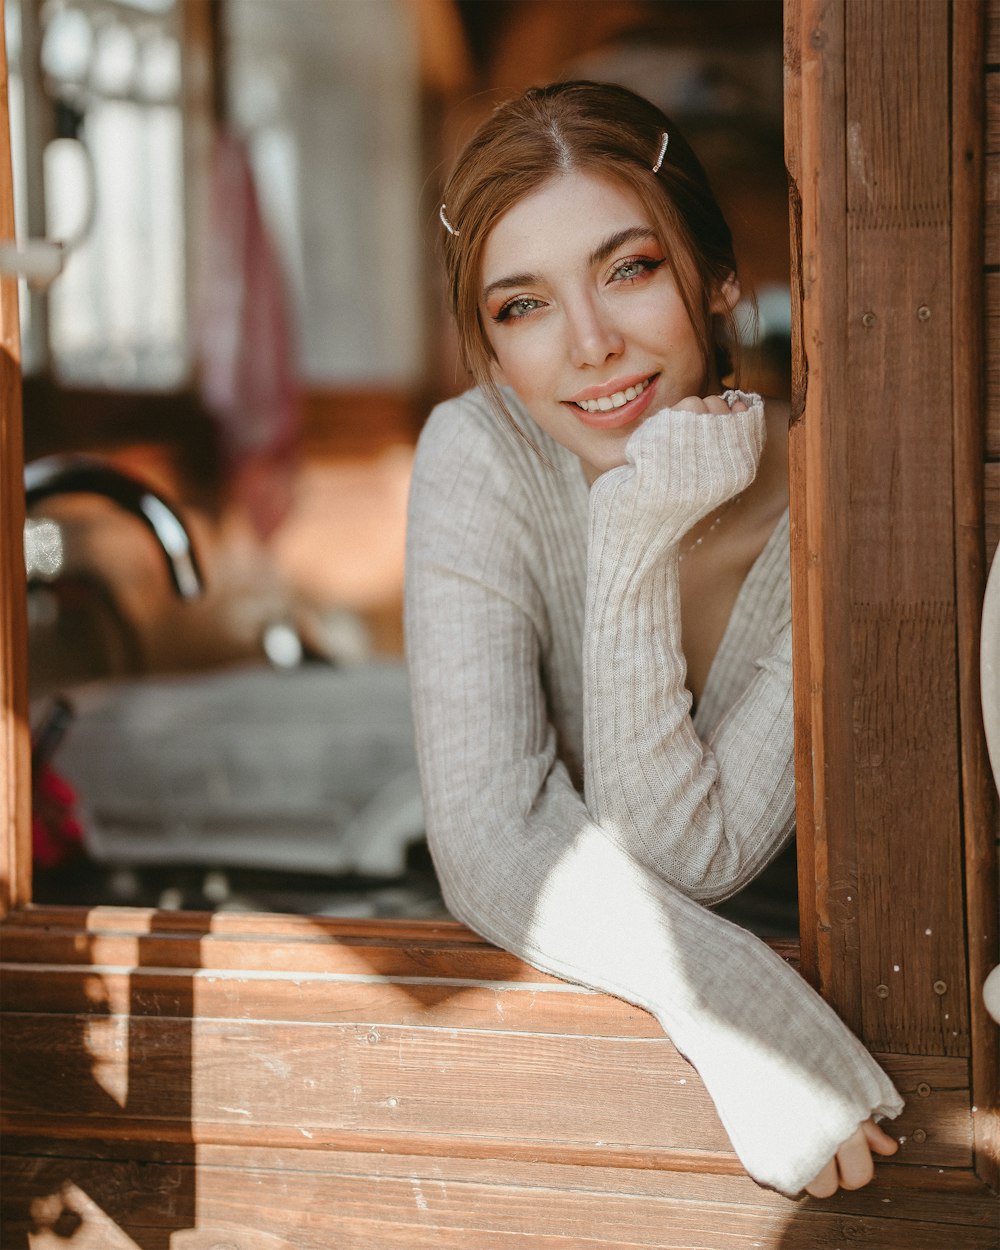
824	1184
711	403
852	1167
878	1139
854	1161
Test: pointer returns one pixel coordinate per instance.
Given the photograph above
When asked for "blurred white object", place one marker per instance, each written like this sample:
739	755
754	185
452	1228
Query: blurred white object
304	770
38	261
991	994
989	668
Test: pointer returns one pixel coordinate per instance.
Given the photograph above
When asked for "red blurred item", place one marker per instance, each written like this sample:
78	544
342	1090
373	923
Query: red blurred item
56	832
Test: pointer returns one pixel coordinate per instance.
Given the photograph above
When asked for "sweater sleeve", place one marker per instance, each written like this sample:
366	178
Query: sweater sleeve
525	862
705	818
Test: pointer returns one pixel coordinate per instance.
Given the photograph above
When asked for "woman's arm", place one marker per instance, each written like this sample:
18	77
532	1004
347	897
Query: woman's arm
523	861
705	818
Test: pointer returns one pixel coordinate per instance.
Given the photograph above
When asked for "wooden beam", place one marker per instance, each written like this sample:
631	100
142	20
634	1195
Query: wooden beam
266	1200
968	408
15	777
820	554
876	561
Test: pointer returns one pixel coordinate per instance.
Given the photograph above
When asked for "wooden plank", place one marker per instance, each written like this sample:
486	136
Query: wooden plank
798	494
991	482
458	1090
358	1077
901	571
15	784
993	32
992	334
925	1194
263	1208
876	334
992	170
343	971
939	1195
322	998
969	421
321	954
911	949
895	354
819	465
898	127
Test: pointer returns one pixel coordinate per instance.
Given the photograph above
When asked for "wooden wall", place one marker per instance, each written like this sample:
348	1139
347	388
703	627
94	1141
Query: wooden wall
991	277
178	1082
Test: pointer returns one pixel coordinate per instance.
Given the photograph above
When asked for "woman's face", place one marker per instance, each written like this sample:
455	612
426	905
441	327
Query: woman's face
585	317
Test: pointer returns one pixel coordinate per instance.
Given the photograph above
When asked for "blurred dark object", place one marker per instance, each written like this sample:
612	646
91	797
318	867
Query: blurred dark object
66	475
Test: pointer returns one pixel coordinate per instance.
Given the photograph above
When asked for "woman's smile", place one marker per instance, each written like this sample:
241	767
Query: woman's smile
585	317
616	405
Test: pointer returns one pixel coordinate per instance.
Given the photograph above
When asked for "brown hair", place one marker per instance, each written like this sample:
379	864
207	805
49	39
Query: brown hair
603	129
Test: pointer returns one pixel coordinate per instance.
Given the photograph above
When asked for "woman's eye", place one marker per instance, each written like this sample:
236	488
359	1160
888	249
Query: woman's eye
629	270
519	307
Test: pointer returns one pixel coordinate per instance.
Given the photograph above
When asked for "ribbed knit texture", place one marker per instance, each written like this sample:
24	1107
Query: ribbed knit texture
577	815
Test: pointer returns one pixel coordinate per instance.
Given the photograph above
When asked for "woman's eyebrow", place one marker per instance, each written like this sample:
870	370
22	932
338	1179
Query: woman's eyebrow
515	279
631	234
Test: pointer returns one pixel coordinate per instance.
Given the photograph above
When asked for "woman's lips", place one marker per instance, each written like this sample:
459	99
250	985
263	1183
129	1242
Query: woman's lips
614	418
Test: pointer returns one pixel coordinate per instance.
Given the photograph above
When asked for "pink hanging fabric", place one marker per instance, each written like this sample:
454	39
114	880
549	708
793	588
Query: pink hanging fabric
244	340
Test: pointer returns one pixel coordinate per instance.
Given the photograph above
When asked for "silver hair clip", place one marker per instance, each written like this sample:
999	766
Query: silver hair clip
663	152
446	223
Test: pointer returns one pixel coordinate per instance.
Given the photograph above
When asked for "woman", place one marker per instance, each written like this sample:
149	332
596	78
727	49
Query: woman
598	617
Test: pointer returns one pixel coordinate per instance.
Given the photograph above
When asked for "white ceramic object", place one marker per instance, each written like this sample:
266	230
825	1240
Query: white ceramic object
989	665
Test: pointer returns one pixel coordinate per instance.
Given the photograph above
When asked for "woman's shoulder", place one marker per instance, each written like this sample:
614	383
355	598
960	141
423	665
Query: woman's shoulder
467	419
465	436
466	460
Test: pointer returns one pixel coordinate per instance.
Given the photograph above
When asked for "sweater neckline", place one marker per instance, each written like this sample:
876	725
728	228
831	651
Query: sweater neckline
739	618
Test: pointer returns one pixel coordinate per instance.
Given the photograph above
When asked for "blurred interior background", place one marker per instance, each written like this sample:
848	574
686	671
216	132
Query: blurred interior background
248	317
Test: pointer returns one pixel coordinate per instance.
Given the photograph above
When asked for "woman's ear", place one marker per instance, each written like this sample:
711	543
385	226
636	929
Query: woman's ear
727	296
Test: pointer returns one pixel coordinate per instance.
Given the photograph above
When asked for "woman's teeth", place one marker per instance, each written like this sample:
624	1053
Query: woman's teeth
607	402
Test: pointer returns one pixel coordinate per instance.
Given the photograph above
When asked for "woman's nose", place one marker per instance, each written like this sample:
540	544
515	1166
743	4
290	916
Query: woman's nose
594	336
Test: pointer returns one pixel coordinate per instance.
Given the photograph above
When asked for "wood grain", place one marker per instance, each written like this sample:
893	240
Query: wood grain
823	739
956	1196
907	907
260	1207
879	576
232	1046
129	1087
992	335
15	784
991	481
970	400
798	496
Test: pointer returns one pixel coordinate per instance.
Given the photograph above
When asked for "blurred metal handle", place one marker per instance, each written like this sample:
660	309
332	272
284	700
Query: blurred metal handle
38	261
41	261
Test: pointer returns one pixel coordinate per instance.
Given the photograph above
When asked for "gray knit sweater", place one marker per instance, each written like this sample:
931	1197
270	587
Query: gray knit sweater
578	815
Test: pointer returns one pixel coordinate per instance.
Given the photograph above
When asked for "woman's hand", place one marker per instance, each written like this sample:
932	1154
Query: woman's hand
852	1167
711	403
690	458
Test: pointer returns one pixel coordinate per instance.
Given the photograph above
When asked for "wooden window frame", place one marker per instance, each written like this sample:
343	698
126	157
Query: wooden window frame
897	852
